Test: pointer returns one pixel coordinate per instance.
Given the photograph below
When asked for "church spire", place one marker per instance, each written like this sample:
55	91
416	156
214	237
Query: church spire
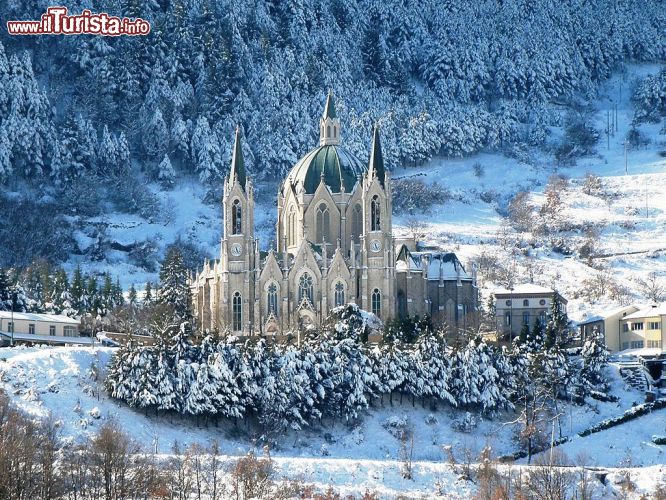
237	172
329	125
329	109
376	163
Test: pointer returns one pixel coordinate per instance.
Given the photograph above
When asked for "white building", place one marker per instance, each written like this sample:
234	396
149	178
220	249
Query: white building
40	329
523	305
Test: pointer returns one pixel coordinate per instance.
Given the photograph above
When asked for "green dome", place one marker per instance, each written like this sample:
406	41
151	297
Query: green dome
339	167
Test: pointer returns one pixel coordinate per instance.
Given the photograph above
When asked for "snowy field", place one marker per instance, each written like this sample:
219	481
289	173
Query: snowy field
61	383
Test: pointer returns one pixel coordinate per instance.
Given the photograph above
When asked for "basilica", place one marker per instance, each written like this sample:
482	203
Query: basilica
334	245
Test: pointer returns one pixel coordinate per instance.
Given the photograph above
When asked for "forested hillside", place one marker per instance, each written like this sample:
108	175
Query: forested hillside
85	119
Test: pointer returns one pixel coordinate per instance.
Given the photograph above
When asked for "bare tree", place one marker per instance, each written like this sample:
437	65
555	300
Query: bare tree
520	211
417	227
653	287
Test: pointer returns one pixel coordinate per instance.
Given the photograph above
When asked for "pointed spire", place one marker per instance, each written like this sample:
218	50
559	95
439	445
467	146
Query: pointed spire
329	125
329	109
237	172
376	163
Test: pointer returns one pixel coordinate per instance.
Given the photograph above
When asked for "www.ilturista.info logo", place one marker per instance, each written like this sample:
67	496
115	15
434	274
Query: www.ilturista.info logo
55	21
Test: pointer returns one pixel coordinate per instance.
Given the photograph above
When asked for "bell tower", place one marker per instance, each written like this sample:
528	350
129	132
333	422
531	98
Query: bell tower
329	125
238	254
377	283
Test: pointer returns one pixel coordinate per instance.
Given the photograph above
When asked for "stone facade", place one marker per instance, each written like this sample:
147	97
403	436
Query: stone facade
335	245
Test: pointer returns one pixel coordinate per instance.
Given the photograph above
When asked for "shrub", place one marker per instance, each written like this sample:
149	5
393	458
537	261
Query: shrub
414	195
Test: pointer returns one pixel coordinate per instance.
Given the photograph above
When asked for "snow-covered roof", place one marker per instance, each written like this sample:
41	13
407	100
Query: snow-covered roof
440	265
47	339
526	288
647	312
48	318
601	316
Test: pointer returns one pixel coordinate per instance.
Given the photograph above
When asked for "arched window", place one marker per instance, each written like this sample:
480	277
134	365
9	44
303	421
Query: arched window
237	312
272	299
376	302
335	131
305	288
291	227
526	303
323	223
402	304
328	131
526	318
375	214
339	294
236	217
357	222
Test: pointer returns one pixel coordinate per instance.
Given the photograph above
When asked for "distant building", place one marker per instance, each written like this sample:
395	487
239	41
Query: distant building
40	329
523	304
644	328
608	324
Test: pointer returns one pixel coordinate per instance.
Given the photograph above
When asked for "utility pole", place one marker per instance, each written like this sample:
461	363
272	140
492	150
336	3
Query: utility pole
626	170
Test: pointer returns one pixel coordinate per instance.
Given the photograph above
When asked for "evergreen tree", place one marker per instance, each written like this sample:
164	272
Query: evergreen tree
165	172
174	290
595	358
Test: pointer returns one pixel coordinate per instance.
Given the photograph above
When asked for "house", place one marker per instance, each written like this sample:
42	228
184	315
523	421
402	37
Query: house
40	329
607	323
520	305
334	245
644	328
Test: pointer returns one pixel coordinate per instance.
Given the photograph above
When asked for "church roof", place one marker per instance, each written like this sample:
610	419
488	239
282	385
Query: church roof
376	163
237	171
329	109
338	167
441	265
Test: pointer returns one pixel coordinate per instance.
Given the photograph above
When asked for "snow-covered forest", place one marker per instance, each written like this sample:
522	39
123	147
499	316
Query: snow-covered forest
333	375
81	118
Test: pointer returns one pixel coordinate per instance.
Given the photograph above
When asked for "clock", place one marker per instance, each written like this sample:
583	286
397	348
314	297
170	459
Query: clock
375	245
236	249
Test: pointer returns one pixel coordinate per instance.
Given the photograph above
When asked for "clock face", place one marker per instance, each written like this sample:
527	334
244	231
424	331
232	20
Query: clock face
375	245
236	249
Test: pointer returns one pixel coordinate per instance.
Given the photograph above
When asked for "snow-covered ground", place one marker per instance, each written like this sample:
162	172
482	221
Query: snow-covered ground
59	383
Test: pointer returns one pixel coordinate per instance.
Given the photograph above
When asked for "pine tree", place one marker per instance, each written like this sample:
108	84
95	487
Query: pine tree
155	136
132	296
595	358
148	293
174	290
165	172
557	325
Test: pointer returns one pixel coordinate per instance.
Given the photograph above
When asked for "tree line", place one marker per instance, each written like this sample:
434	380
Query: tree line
334	375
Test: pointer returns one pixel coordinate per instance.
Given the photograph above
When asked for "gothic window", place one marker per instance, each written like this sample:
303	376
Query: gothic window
236	217
357	222
339	294
323	223
328	131
305	288
272	299
376	302
402	304
237	312
375	214
291	227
